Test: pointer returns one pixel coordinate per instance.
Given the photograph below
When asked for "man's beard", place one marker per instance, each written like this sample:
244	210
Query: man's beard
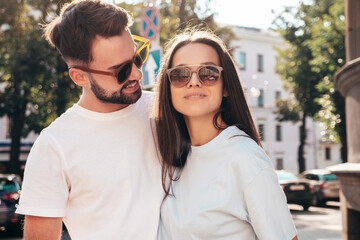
115	97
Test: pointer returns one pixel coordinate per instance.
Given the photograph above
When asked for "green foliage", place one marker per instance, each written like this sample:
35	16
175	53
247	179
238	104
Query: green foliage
287	111
328	46
35	85
314	34
32	71
319	29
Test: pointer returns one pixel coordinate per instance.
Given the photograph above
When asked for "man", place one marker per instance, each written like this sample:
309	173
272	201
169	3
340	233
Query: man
95	167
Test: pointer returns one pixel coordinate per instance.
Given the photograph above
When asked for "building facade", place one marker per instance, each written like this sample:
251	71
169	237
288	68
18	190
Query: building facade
255	55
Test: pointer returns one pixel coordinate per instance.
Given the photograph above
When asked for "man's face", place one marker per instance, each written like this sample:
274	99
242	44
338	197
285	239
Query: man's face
108	54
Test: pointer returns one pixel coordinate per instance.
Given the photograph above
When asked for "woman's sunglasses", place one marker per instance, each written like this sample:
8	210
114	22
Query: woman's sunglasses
124	70
207	74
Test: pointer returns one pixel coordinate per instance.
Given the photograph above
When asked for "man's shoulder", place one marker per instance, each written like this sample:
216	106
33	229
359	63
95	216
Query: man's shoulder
146	100
62	122
147	96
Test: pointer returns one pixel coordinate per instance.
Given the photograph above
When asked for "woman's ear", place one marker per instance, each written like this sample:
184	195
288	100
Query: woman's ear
225	93
78	76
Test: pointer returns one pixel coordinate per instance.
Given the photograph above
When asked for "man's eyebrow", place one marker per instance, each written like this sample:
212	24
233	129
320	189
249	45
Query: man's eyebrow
119	65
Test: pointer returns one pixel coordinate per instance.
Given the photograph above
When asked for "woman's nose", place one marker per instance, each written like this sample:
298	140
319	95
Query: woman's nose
194	80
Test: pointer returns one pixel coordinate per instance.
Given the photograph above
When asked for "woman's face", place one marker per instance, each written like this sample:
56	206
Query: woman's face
195	99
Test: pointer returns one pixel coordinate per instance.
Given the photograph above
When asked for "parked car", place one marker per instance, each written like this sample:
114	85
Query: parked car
325	184
9	197
298	191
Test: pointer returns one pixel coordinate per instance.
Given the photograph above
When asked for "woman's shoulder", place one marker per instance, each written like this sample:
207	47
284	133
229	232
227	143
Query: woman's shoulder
247	157
241	143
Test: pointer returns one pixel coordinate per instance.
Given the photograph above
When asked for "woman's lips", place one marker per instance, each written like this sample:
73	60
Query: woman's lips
195	96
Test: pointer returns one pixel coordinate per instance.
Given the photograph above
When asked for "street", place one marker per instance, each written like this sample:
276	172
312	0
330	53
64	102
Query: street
319	223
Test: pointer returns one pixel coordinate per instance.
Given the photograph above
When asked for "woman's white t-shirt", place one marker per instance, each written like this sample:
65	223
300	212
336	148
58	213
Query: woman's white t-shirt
228	189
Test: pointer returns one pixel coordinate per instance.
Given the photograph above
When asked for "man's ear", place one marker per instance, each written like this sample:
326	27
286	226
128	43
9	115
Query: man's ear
78	76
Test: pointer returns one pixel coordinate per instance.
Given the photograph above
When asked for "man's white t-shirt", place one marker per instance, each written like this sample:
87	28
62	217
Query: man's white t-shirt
99	171
227	190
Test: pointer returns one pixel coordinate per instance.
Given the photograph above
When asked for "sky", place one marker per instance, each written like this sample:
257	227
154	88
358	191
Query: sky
250	13
247	13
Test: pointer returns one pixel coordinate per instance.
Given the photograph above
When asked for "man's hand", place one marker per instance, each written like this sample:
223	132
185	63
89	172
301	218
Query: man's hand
42	228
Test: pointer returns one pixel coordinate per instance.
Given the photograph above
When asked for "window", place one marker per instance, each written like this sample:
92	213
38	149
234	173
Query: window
277	95
278	133
242	60
311	177
261	98
327	153
260	63
279	164
261	129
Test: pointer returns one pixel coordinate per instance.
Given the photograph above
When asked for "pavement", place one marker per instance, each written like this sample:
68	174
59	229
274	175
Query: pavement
319	223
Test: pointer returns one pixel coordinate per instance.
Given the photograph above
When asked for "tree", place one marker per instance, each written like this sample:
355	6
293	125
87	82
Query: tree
307	65
31	72
176	15
328	47
293	66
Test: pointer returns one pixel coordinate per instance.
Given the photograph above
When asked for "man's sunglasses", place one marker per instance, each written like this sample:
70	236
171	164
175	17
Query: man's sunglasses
124	70
207	74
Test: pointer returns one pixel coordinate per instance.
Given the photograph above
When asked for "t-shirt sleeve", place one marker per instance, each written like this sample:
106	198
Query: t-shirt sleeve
267	209
45	188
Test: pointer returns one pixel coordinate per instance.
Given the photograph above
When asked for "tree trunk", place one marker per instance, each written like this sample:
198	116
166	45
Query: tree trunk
301	159
14	164
16	128
182	14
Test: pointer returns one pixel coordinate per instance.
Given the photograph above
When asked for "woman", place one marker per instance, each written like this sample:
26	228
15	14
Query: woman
222	184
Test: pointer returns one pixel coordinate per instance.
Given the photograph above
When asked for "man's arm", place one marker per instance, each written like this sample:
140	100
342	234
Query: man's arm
42	228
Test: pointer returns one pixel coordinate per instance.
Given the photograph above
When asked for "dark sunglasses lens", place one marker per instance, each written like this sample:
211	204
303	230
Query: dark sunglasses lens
141	56
209	75
124	72
180	76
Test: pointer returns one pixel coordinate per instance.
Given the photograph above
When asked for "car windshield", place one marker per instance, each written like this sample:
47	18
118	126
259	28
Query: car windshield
7	185
329	177
286	176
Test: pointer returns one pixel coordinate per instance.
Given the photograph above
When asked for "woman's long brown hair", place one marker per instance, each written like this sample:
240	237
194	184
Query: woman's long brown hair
173	138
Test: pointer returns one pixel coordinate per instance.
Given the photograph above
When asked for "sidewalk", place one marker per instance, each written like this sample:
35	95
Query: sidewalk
319	223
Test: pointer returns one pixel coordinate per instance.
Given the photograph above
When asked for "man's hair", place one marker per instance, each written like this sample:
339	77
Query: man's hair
80	22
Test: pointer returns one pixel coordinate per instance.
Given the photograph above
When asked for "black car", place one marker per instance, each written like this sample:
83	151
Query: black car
9	198
297	191
326	185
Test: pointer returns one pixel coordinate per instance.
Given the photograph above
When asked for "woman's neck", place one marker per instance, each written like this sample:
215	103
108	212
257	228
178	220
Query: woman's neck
202	130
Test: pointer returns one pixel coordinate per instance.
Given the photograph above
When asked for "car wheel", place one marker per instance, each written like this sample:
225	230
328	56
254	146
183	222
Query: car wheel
306	206
315	201
322	203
